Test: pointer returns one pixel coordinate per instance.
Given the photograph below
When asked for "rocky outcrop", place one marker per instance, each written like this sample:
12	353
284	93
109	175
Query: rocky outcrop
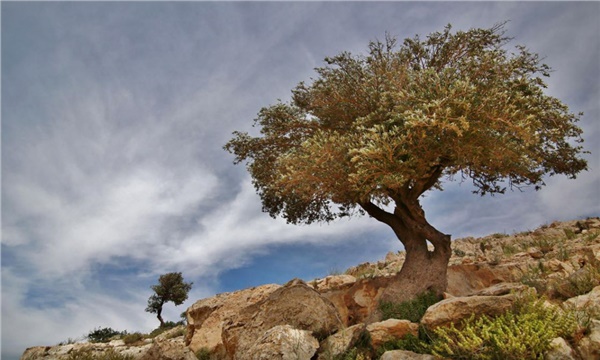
295	304
169	350
486	276
207	317
283	342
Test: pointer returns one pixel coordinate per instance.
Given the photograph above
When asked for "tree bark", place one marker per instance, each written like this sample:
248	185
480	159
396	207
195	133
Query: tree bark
159	317
423	269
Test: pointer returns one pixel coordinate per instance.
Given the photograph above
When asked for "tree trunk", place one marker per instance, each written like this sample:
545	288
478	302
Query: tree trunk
423	269
159	317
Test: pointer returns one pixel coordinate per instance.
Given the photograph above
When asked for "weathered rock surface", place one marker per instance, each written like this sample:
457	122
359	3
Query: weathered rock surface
340	342
390	329
283	342
169	350
281	322
207	317
295	304
405	355
589	346
455	309
560	350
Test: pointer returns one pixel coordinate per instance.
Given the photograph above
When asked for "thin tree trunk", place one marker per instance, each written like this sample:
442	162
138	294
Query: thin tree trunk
159	317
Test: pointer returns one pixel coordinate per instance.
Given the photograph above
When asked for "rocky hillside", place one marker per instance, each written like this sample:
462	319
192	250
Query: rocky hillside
341	316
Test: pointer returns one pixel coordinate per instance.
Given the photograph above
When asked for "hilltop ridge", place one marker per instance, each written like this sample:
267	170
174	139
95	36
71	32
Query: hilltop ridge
341	316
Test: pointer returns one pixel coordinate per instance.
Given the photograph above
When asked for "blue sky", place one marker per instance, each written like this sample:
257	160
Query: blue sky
113	120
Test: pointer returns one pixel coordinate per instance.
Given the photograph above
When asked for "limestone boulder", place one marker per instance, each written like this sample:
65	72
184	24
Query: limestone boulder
283	342
358	302
405	355
207	317
504	289
454	310
585	301
466	279
295	304
589	346
333	282
560	350
173	349
391	329
340	342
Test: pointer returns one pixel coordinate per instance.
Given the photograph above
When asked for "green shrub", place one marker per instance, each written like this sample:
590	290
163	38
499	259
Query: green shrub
590	237
578	283
87	354
412	310
459	252
418	344
570	234
522	333
132	338
203	354
104	334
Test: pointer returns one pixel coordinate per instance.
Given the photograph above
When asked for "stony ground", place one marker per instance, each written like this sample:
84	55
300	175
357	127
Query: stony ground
559	260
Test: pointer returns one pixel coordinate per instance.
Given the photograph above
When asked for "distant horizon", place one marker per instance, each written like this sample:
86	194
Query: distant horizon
114	115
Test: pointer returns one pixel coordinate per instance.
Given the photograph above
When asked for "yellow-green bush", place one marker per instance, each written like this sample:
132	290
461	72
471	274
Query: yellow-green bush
522	333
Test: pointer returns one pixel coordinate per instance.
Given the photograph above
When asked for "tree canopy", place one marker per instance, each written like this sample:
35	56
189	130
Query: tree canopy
388	126
170	288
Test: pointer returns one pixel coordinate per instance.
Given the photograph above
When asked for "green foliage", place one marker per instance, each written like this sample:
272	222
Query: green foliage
579	283
103	334
170	288
570	234
203	354
459	252
87	354
390	125
522	333
508	249
168	325
418	344
412	310
534	277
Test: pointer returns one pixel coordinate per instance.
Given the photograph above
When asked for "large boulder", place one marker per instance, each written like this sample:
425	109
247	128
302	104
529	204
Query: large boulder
454	310
295	304
283	342
207	317
357	302
391	329
340	342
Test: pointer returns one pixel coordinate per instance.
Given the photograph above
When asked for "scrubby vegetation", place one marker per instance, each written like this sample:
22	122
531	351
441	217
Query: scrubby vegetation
525	332
412	310
104	334
86	354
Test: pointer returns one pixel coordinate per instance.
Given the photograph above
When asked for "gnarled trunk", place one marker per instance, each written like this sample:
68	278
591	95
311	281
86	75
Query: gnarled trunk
423	269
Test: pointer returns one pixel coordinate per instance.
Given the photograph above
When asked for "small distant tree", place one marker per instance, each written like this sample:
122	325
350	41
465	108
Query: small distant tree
372	134
170	288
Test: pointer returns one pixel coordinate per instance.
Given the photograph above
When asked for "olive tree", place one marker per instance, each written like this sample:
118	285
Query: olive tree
373	133
170	288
